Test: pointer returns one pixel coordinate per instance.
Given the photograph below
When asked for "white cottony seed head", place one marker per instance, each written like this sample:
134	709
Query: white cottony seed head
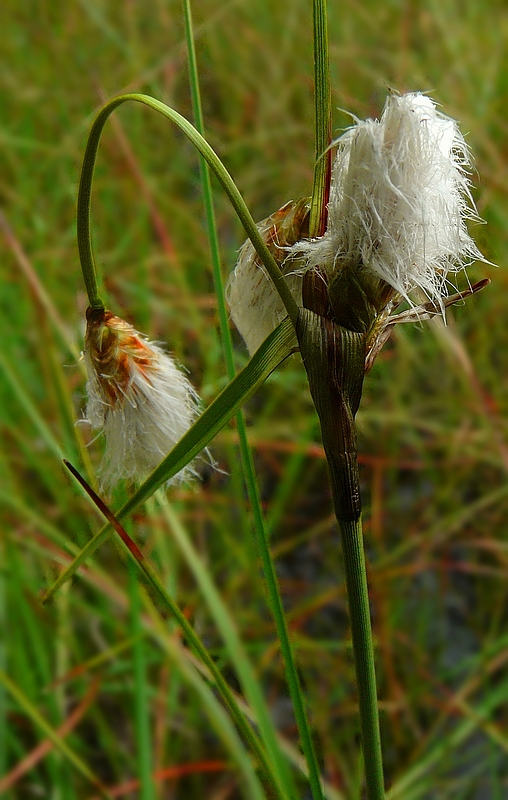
137	396
399	204
399	200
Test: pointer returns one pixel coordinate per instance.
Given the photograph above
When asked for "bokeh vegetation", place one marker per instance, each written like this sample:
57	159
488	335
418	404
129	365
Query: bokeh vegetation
433	430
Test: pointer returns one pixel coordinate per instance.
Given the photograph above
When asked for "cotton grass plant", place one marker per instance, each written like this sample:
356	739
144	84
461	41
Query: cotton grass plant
322	275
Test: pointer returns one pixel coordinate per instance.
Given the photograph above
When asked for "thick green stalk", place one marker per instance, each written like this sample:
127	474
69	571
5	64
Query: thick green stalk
334	359
274	598
323	123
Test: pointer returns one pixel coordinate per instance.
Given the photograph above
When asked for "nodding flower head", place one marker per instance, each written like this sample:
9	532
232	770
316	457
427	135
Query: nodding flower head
137	396
399	203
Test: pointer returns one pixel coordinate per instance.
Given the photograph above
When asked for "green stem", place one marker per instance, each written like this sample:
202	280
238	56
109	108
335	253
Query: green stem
214	162
208	200
363	651
141	704
200	650
334	358
83	229
323	123
275	601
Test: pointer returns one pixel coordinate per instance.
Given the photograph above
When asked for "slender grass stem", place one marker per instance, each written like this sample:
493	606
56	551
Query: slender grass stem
208	196
323	123
274	597
141	706
193	673
363	651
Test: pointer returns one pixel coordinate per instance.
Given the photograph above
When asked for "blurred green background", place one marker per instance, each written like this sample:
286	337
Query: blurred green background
433	430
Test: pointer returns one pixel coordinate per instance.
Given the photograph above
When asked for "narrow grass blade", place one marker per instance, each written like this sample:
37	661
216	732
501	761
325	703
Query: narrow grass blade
222	617
28	406
323	123
277	609
195	643
34	714
217	715
31	759
418	780
141	704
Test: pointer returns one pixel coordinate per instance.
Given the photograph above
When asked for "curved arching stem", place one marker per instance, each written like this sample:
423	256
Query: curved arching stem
85	190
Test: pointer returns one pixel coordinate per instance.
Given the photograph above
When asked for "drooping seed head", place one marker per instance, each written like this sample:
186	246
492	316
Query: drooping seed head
137	396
